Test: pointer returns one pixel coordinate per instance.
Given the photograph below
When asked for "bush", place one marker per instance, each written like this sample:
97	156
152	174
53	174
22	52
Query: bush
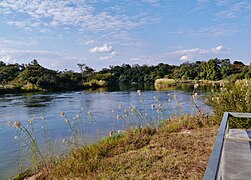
232	98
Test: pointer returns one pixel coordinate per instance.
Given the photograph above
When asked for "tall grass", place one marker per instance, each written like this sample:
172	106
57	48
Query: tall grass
31	149
232	98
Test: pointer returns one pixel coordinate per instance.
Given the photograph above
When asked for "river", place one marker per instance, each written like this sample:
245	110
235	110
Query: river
100	112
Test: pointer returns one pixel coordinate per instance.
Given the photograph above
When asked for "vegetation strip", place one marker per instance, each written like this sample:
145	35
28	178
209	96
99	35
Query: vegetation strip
32	77
178	149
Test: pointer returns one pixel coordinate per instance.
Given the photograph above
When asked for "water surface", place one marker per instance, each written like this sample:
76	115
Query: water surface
104	105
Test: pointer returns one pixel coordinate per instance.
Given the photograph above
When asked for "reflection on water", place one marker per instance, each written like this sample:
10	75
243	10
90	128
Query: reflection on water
100	102
36	100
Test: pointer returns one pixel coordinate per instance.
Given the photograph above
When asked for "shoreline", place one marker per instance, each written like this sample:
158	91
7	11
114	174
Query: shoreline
141	152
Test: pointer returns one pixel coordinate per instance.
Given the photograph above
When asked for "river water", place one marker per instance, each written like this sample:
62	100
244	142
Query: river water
100	112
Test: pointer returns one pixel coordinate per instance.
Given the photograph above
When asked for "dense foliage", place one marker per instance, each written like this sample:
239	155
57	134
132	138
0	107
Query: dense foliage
35	77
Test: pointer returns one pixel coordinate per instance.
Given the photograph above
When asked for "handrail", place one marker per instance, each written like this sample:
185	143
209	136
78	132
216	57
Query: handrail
213	167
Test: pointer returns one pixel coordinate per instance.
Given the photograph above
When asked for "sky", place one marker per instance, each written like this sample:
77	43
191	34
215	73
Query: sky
99	33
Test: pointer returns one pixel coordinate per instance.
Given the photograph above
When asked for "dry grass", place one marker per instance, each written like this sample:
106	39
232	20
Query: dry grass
164	82
178	149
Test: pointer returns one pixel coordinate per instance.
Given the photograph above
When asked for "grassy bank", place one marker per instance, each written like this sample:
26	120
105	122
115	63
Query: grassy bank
178	149
162	83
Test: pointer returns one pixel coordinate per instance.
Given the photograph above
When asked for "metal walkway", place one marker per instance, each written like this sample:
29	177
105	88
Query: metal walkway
236	155
231	155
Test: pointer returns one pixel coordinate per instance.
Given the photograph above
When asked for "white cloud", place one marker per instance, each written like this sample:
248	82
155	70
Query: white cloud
152	2
215	31
104	48
56	13
49	59
140	59
109	57
17	42
219	49
192	54
233	9
188	53
89	42
134	59
184	58
105	57
113	53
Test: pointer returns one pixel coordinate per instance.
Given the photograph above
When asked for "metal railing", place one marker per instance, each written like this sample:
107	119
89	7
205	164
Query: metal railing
213	167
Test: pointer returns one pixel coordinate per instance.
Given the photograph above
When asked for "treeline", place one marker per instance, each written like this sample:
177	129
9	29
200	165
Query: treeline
33	77
214	69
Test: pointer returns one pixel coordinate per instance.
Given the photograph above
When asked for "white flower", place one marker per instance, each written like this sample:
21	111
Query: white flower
139	92
195	96
8	123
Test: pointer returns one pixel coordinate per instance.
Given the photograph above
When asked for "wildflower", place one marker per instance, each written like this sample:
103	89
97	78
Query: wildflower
153	106
154	97
16	137
77	116
17	124
30	121
118	116
62	114
112	111
195	95
196	86
42	127
139	92
67	121
222	84
8	123
175	96
160	105
64	140
42	117
120	106
89	113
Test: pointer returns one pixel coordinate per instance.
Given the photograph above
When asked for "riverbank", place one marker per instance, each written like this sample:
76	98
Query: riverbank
179	149
31	88
164	82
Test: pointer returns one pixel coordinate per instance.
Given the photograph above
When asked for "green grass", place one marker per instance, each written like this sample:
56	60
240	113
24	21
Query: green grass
178	149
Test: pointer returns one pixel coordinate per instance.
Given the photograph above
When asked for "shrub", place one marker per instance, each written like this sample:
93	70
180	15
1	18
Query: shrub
232	98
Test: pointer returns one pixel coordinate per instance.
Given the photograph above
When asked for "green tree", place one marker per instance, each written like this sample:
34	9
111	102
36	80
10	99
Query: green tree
225	68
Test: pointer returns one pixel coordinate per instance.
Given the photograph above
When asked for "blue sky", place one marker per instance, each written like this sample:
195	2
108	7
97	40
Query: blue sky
62	33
